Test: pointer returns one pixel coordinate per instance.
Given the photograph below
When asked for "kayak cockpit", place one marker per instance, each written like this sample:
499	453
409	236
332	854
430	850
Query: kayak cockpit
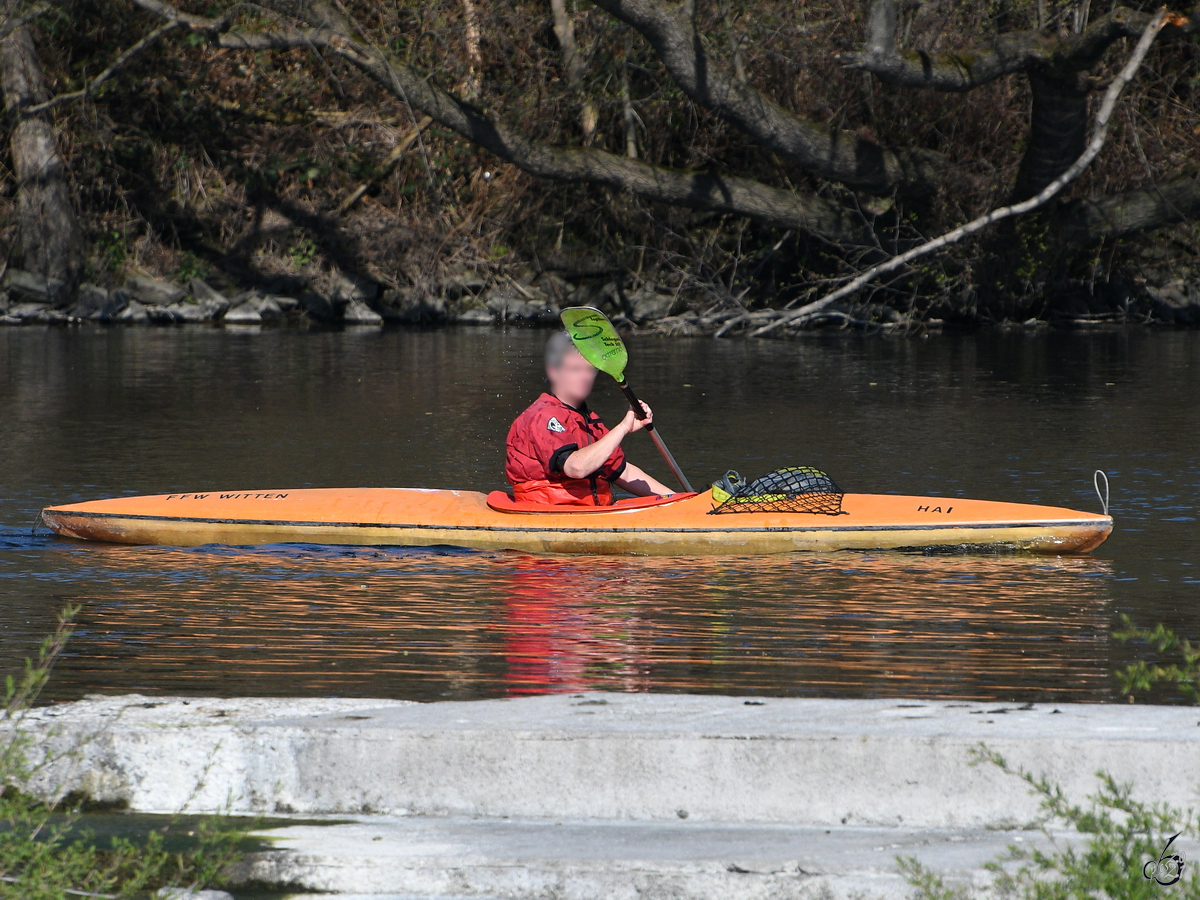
501	501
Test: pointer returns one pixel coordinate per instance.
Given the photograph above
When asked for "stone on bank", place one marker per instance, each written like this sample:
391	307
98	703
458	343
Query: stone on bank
358	313
153	292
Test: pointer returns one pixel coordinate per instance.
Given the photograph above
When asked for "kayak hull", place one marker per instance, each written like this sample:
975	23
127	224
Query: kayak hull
415	517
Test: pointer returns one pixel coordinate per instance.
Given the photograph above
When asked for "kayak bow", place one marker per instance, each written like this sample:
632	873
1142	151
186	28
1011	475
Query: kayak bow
680	525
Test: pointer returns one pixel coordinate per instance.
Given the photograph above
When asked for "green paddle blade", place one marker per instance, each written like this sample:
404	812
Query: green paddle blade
596	339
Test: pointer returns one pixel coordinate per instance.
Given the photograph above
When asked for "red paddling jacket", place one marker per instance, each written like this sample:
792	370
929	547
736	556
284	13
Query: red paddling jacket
539	443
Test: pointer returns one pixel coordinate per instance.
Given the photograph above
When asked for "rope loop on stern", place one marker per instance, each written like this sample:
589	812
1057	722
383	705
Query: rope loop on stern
1098	476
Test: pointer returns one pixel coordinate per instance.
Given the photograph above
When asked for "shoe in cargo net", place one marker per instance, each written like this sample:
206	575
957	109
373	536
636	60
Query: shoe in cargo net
798	489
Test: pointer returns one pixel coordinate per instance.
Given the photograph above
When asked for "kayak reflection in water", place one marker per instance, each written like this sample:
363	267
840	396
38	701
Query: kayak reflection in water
560	452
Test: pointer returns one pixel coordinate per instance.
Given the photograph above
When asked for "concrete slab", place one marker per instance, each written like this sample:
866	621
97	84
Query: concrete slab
639	757
444	858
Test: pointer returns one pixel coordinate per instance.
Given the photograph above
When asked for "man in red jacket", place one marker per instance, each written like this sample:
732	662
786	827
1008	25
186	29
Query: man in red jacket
560	452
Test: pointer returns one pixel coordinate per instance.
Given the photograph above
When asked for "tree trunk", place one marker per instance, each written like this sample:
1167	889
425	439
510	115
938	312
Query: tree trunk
1057	133
474	80
51	245
573	67
631	144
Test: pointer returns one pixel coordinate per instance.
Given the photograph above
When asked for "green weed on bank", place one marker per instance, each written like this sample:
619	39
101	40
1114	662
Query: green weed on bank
46	853
1118	856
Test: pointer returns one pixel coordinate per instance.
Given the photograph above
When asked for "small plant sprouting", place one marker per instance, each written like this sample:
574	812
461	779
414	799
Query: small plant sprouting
927	884
303	251
190	267
112	249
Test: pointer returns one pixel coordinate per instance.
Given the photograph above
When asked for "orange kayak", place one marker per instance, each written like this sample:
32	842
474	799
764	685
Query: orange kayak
682	525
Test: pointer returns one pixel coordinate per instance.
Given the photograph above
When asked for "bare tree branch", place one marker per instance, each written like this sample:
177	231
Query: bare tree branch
694	190
1020	51
388	163
824	151
1099	135
95	83
327	26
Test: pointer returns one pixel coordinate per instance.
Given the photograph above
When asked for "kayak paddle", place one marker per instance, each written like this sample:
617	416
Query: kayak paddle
599	343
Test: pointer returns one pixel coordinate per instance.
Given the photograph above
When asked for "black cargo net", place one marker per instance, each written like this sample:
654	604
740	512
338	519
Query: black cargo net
799	489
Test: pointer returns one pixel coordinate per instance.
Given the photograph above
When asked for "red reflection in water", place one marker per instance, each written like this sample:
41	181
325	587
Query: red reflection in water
557	638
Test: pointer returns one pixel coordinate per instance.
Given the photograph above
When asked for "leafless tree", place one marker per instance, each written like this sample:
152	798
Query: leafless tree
1061	67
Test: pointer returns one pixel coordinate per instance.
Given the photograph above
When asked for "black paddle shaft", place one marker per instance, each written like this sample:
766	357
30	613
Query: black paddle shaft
640	413
634	403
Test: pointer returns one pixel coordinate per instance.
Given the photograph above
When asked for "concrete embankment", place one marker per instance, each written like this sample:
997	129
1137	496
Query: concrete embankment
384	857
592	792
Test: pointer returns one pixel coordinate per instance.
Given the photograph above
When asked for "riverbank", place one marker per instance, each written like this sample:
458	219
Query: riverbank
533	299
614	794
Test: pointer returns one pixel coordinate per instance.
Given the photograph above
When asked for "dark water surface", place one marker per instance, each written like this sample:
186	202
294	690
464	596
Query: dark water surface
94	413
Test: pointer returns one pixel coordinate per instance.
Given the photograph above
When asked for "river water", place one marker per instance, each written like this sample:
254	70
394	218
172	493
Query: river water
1008	416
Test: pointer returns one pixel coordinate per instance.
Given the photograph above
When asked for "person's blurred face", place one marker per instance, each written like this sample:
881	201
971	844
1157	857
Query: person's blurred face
572	380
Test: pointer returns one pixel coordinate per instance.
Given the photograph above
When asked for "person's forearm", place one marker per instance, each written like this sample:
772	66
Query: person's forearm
586	460
638	482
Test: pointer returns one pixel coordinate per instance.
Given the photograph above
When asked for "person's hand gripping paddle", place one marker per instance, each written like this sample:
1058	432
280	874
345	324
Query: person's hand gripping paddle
599	344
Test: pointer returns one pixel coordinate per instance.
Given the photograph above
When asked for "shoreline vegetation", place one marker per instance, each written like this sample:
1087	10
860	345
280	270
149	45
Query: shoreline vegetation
695	169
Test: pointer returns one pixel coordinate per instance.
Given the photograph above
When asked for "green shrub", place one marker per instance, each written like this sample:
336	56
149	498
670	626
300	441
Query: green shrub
47	853
1178	667
1120	837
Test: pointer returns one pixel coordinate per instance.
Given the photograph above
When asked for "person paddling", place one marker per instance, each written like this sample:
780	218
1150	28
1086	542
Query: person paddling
560	452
